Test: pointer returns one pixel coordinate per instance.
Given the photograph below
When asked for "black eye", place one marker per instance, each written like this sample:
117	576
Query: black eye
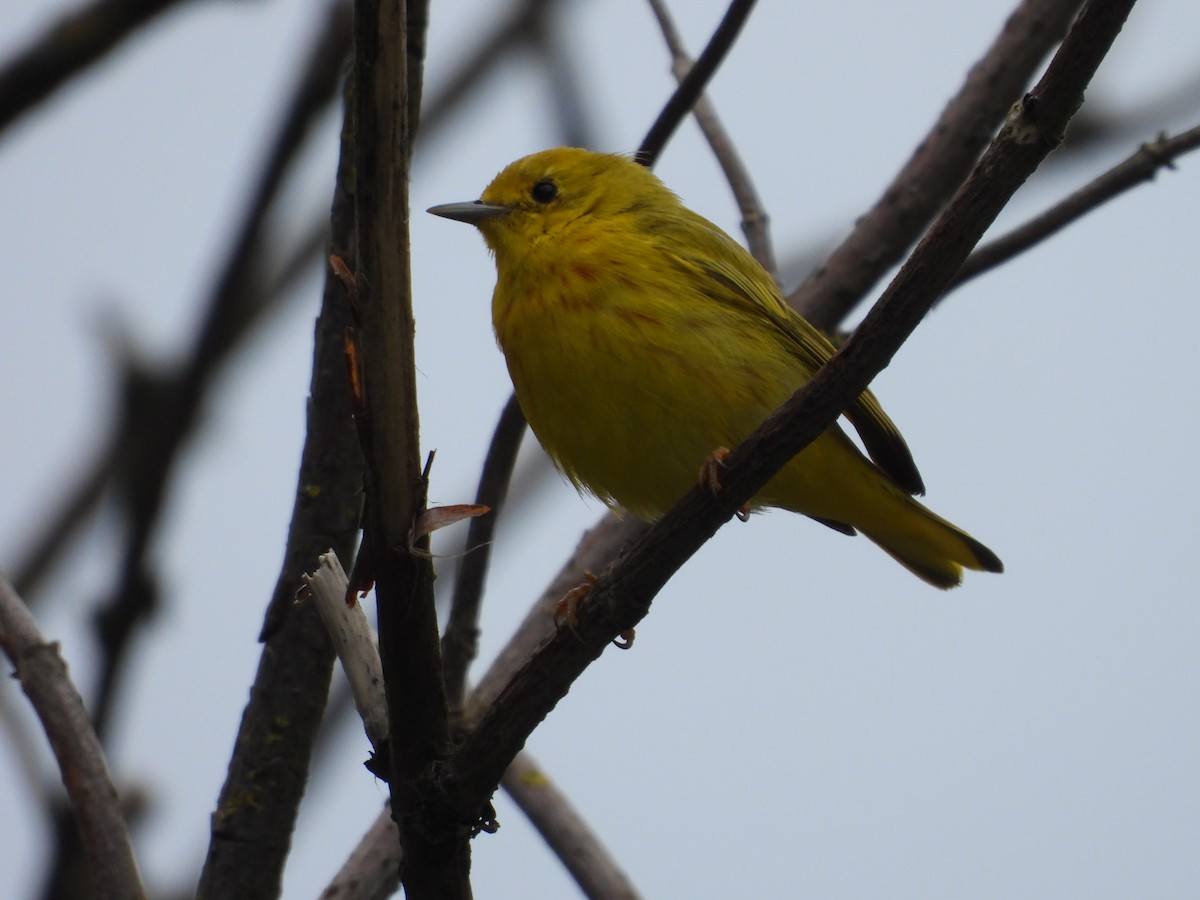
544	191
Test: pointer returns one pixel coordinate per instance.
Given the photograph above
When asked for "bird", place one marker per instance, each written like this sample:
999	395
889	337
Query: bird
642	341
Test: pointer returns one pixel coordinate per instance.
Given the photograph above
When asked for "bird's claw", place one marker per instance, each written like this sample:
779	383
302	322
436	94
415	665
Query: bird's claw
566	610
710	477
710	469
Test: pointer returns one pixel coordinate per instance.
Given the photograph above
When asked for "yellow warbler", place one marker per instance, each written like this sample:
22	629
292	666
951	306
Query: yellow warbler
641	338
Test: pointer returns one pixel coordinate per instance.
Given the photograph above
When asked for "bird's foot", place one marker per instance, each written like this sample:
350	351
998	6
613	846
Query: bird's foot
710	477
566	611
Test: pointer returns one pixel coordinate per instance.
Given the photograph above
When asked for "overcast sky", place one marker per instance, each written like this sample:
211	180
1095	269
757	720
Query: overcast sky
800	716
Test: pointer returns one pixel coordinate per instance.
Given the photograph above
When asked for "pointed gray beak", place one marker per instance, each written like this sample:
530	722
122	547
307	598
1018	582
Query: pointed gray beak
471	213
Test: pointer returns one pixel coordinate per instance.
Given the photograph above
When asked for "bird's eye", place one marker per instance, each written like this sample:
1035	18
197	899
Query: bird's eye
544	191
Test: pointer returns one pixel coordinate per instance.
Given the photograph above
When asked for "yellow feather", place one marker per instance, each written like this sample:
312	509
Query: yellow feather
640	338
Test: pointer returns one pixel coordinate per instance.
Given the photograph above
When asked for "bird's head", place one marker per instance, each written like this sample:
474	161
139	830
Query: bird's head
554	192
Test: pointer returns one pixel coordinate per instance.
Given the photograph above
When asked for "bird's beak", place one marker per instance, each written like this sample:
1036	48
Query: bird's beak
471	213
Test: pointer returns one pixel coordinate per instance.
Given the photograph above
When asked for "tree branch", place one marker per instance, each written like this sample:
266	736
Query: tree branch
268	772
565	832
436	854
43	677
460	641
939	164
1141	167
686	94
172	402
71	44
755	222
371	870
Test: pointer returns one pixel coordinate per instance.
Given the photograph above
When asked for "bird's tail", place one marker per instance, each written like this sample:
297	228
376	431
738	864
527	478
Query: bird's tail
834	483
927	545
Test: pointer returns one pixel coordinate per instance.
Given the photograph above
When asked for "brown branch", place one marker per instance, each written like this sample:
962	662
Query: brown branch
63	525
75	41
622	597
509	35
938	165
436	852
460	641
43	677
566	833
161	410
371	870
259	801
584	855
598	549
686	94
755	222
564	81
1139	168
55	535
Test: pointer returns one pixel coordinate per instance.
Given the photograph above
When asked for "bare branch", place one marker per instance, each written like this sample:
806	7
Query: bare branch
259	801
436	851
598	550
66	522
511	34
1137	169
755	222
172	402
43	677
573	842
75	41
371	870
356	646
692	86
938	165
460	642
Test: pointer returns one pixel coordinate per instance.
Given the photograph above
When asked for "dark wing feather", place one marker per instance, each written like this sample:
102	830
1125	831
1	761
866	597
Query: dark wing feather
749	286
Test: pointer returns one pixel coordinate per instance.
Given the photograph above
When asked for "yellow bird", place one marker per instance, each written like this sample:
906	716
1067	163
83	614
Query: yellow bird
641	339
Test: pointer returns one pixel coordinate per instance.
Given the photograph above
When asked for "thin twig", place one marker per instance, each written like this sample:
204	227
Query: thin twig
586	858
680	104
53	537
1141	167
75	41
257	808
564	81
937	167
43	677
173	402
598	549
755	222
460	640
372	869
511	34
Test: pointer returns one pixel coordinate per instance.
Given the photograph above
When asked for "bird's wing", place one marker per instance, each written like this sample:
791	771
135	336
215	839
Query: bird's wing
753	291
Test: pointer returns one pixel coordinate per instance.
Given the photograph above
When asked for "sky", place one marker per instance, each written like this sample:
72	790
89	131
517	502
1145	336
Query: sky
799	715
